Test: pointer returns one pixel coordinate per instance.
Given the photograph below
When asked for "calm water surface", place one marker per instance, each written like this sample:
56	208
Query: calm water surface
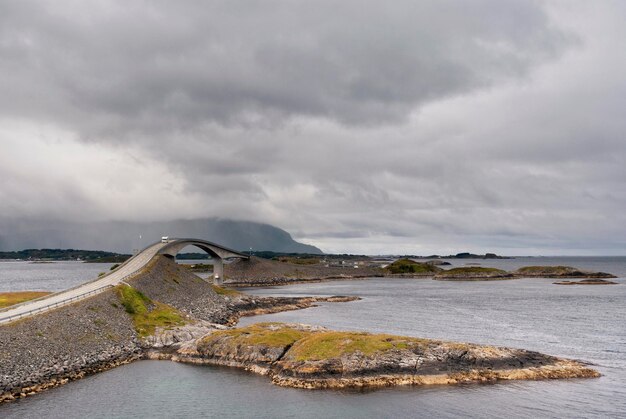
587	323
52	276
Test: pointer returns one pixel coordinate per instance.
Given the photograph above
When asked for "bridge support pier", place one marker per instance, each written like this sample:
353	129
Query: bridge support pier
218	271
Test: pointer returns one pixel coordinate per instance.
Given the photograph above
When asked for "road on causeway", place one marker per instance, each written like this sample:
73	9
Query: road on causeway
128	268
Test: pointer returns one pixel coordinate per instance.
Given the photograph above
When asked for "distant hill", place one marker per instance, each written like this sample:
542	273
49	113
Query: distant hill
65	254
124	237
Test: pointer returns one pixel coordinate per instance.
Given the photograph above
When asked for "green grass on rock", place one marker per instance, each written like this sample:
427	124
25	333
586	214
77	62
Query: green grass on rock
147	314
408	266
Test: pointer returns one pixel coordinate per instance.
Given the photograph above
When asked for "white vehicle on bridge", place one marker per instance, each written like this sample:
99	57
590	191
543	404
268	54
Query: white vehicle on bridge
165	239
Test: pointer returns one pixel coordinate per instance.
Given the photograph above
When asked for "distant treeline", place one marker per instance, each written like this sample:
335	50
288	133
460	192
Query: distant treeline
65	254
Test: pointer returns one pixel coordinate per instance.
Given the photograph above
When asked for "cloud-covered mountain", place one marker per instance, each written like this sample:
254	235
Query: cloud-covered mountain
125	236
416	127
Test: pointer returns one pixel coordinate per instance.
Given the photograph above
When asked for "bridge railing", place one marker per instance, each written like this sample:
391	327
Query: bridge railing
55	304
58	304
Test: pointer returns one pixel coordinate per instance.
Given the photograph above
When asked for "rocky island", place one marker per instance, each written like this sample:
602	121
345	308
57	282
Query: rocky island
587	282
311	357
408	267
558	272
285	271
472	273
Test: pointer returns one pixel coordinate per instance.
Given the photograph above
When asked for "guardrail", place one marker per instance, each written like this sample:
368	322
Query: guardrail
67	300
56	304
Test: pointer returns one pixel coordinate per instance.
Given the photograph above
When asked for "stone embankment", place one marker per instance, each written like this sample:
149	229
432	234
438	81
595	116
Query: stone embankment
262	272
312	357
99	333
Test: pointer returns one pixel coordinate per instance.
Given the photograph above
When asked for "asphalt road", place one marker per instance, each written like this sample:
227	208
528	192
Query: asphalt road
131	266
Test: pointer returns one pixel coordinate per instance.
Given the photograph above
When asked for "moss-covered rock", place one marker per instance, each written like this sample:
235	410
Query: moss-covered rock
408	266
559	272
312	357
472	273
587	282
147	314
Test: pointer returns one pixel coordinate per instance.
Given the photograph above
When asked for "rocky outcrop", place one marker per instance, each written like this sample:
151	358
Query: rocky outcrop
244	306
95	334
263	272
65	344
558	272
413	268
587	282
312	357
472	273
171	284
169	338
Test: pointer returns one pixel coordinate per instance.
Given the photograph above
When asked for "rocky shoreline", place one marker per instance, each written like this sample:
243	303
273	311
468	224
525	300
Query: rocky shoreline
299	356
101	332
97	334
261	273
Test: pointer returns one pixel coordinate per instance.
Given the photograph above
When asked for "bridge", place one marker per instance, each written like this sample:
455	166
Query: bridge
133	266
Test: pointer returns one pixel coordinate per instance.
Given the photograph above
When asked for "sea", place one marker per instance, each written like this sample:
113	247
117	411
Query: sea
587	323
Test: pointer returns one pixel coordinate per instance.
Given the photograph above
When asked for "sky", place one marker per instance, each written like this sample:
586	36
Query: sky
431	126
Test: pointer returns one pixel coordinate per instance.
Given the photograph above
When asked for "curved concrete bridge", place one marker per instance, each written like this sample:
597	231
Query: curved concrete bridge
128	269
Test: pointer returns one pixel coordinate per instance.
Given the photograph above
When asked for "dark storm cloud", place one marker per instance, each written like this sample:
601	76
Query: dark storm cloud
119	67
415	126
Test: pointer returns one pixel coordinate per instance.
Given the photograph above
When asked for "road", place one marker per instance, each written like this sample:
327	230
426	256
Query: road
131	266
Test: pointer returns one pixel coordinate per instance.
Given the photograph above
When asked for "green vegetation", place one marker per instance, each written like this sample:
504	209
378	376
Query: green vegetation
473	273
114	267
305	345
147	314
408	266
545	270
268	334
224	291
326	345
134	301
11	298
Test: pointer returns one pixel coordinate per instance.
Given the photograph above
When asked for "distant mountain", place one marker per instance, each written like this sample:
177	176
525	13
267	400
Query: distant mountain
124	237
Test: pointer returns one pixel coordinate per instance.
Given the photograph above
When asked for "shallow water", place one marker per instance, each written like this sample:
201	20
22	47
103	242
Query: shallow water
582	322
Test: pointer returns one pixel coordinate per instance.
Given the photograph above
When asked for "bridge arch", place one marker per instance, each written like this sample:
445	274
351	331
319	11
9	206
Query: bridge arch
217	252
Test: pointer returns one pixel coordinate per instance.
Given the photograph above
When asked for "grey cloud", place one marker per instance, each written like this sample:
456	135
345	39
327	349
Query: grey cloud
120	68
433	125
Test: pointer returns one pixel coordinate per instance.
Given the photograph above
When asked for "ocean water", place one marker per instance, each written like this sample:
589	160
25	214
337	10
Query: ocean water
49	276
581	322
54	276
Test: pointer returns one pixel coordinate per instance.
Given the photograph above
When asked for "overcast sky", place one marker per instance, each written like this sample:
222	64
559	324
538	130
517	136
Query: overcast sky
430	126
